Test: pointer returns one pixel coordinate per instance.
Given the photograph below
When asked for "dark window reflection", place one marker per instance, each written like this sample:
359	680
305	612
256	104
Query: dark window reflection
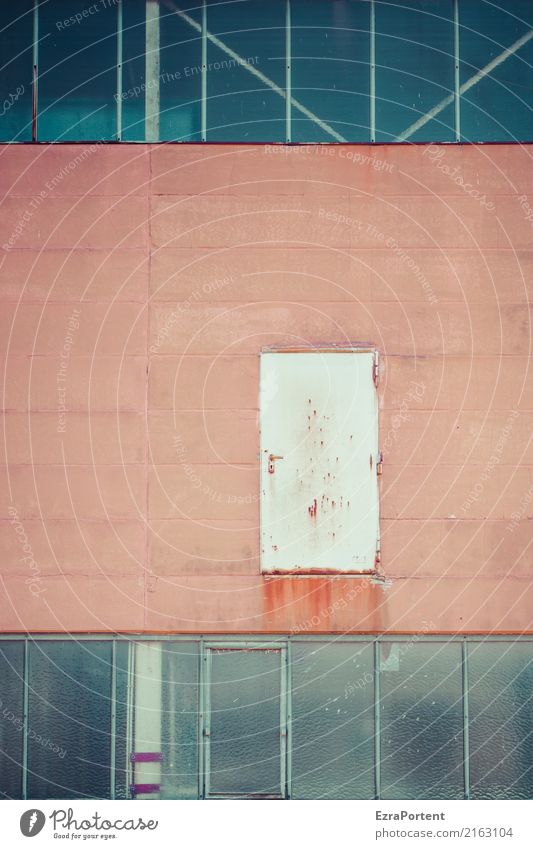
16	70
496	105
330	73
77	71
414	70
246	71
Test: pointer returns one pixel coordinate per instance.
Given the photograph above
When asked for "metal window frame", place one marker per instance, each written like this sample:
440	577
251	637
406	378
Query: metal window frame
282	642
204	730
290	102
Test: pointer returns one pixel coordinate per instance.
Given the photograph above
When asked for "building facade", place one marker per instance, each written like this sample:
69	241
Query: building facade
214	585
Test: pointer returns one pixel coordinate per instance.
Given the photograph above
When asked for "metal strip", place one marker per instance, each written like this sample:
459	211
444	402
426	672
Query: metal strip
466	717
270	638
119	69
372	71
283	724
25	707
457	82
200	723
35	71
207	722
113	759
152	72
128	768
288	77
236	645
203	116
377	719
289	720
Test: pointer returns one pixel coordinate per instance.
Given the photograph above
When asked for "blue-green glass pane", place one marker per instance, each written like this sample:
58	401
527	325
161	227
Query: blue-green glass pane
414	70
11	719
69	738
180	85
330	77
133	69
333	721
245	745
501	720
77	71
121	720
421	720
496	103
179	720
246	71
16	70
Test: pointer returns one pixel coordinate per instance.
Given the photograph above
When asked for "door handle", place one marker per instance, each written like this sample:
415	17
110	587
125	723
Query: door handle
271	460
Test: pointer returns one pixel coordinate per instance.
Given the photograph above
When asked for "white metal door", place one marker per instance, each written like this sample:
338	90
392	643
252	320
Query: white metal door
319	461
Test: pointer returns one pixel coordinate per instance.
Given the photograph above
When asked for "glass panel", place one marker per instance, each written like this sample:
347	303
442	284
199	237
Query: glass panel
121	721
414	68
16	70
421	720
499	106
179	719
330	70
333	721
181	65
501	720
77	71
133	68
246	37
11	719
70	720
245	722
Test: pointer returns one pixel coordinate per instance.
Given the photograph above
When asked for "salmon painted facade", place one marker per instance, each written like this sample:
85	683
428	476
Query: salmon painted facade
140	285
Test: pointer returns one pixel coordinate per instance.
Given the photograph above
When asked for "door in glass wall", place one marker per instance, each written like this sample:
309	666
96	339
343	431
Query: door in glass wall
245	727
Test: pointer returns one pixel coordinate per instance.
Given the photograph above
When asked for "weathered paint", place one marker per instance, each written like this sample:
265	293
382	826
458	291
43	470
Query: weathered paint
319	411
185	262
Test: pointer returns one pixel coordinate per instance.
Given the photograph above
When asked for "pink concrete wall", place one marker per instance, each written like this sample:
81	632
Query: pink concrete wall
141	511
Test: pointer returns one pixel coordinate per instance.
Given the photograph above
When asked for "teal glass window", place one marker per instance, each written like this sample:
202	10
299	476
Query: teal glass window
414	70
496	64
421	720
11	718
77	71
180	82
501	719
133	94
246	73
333	720
330	74
69	747
16	70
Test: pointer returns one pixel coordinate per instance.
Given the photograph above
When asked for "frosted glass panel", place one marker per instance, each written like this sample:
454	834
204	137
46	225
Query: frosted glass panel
333	721
69	753
421	721
501	720
179	721
11	719
245	722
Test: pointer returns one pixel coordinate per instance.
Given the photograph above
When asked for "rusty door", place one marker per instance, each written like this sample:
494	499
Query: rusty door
319	461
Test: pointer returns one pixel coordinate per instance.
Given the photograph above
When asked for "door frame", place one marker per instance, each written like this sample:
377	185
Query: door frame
204	730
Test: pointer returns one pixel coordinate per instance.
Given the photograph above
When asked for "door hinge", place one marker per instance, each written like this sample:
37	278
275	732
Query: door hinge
377	559
379	464
375	370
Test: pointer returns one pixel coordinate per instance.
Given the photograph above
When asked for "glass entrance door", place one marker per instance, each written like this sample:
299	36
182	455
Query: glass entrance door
245	726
